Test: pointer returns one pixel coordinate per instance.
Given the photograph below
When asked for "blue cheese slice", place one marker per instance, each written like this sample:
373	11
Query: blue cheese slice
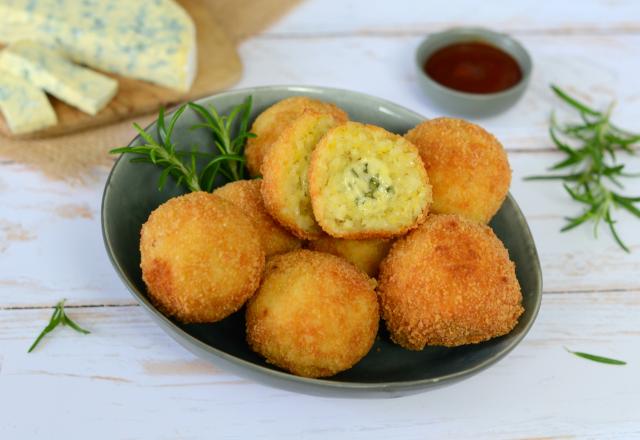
85	89
24	106
152	40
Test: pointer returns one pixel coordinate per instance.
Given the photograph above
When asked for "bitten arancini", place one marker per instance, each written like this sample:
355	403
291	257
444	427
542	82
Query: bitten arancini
285	187
201	257
245	194
468	167
314	315
449	282
273	121
366	182
365	254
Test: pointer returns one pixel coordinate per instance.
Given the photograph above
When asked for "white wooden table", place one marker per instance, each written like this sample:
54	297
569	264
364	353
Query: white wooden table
128	380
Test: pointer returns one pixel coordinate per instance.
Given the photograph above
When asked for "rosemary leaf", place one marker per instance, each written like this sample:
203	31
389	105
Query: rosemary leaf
595	358
58	317
574	102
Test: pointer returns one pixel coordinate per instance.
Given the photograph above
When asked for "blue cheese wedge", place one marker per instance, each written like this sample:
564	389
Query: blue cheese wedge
24	106
152	40
48	69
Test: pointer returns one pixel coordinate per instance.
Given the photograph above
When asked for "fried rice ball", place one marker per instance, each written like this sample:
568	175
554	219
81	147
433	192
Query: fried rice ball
271	122
449	282
285	188
366	255
246	195
201	258
366	182
468	167
314	315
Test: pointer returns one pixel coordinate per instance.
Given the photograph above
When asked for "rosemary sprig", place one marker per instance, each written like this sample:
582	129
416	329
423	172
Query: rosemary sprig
591	147
186	166
221	127
596	358
59	317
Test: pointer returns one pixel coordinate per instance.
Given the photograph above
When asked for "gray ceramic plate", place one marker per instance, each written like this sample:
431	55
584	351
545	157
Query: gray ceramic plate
131	194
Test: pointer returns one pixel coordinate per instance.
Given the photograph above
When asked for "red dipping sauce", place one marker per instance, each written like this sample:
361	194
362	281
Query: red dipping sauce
473	67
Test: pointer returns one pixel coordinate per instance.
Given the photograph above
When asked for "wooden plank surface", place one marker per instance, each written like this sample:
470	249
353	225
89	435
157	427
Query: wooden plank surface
597	68
128	371
136	97
129	380
417	17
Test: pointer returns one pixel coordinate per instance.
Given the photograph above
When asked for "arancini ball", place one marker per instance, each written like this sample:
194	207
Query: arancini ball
449	283
468	167
285	187
314	314
365	254
275	119
201	257
245	194
366	182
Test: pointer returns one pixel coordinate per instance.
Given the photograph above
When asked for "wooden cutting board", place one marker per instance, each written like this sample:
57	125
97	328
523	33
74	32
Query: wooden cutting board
219	67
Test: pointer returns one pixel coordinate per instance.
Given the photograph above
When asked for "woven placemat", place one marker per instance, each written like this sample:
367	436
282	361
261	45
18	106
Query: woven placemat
74	157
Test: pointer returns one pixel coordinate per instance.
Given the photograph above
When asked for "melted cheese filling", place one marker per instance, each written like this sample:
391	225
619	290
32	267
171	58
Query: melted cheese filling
370	182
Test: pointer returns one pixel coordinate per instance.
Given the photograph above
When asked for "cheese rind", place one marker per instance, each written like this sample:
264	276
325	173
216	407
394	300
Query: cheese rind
48	69
25	107
152	40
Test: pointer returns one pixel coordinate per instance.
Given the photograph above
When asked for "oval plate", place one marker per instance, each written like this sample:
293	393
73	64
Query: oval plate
131	194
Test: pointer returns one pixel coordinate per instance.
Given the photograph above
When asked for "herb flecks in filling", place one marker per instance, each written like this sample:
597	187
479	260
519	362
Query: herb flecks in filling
374	184
367	180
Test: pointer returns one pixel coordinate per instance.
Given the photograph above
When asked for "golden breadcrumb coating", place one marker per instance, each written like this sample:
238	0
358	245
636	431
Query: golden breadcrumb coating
246	195
365	254
366	182
449	282
468	167
271	122
314	315
285	188
201	257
